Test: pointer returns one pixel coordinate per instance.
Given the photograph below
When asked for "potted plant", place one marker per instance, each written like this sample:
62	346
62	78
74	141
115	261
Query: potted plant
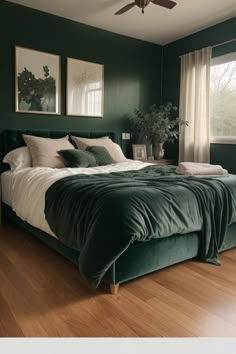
159	125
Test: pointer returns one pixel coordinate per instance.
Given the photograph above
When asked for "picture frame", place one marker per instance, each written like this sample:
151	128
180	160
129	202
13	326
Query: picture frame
37	82
139	152
85	88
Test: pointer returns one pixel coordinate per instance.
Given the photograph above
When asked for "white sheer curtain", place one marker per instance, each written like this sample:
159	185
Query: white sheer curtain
194	106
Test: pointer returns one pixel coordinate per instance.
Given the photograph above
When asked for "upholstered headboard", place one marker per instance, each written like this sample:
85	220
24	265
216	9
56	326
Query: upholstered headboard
12	139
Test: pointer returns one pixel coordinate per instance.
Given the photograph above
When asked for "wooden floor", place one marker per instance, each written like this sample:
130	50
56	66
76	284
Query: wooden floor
43	295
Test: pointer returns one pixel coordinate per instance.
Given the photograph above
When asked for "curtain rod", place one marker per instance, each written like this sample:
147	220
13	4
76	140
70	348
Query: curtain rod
216	45
226	42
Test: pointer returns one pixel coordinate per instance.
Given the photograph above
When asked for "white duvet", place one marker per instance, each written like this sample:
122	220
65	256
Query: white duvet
30	185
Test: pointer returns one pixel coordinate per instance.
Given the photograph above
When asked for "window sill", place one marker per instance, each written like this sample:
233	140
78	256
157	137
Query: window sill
223	140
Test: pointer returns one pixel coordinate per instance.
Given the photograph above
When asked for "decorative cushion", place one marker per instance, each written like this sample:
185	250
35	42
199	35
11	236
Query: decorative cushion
101	154
44	150
78	158
113	149
18	158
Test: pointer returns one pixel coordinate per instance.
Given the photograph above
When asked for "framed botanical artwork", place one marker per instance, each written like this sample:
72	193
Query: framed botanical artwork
139	152
37	82
85	88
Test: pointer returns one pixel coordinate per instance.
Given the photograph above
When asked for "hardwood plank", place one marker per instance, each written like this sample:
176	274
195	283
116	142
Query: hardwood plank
8	324
43	295
201	290
181	311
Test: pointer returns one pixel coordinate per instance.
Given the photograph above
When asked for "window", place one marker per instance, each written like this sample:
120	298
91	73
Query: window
223	99
94	98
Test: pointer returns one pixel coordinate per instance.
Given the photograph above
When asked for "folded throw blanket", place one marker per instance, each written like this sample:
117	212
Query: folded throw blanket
195	168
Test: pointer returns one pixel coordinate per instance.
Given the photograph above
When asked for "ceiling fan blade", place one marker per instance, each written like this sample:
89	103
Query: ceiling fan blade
169	4
125	8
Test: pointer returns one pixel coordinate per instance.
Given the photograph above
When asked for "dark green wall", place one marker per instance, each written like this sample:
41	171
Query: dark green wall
132	68
220	154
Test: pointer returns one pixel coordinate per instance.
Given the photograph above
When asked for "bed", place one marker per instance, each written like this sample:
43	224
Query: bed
139	258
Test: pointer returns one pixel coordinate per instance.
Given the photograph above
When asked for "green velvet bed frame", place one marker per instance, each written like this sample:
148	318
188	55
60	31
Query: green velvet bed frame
141	257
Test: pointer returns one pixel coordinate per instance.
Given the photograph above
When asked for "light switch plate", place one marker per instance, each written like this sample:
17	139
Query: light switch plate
125	136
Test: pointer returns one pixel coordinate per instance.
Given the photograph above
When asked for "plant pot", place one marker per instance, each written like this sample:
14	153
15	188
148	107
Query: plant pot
158	151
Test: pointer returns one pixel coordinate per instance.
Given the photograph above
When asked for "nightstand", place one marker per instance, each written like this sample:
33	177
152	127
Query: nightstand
161	162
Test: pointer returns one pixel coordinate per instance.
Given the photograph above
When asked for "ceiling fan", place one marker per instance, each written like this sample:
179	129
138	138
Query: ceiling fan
169	4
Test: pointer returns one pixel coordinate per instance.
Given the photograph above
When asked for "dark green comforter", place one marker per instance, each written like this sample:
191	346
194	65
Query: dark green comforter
101	215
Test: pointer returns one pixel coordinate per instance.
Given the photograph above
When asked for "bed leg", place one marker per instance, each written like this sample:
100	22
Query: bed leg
114	288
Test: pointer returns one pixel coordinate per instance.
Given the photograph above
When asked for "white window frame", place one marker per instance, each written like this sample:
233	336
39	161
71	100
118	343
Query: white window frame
217	61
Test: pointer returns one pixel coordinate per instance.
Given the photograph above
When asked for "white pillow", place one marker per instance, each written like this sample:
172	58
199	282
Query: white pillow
18	158
44	150
113	148
120	152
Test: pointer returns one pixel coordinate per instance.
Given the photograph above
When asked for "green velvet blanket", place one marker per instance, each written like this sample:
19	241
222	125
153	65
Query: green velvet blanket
101	215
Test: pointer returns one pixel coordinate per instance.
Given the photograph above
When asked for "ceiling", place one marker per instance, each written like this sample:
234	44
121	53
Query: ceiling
157	25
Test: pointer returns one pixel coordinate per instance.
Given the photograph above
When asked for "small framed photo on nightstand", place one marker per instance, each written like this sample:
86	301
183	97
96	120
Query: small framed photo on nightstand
139	152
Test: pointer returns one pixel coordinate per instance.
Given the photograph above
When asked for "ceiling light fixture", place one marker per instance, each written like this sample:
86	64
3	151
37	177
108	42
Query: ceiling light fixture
168	4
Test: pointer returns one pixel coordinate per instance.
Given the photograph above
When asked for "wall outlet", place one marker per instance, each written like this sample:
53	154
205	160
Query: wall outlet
125	136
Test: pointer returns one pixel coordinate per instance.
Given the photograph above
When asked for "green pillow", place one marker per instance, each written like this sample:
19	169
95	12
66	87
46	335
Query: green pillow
78	158
101	154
